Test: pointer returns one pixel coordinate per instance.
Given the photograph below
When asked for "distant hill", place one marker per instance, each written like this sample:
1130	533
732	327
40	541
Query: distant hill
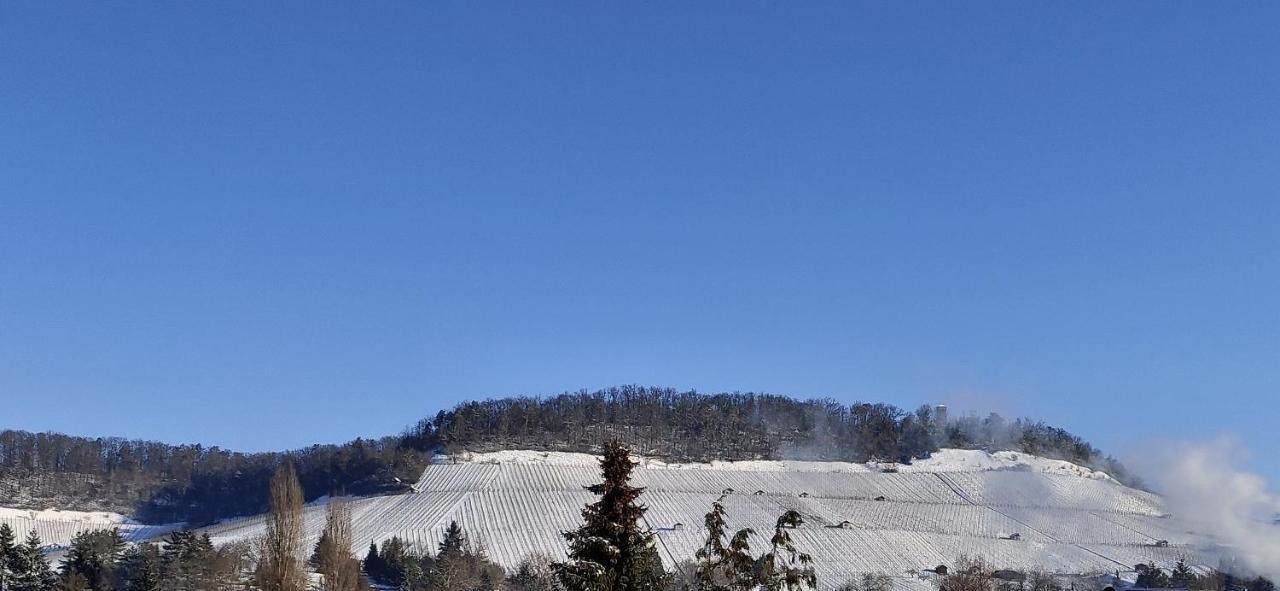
158	482
1016	510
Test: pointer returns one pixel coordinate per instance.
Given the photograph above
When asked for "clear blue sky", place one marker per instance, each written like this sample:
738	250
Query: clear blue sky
215	215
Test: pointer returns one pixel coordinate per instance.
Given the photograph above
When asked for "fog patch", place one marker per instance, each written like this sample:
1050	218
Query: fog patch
1204	485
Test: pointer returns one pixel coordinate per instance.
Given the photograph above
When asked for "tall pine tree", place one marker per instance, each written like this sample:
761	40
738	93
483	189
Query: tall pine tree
612	551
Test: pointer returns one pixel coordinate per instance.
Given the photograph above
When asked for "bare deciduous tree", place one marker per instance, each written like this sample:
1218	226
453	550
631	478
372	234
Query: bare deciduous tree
969	574
334	560
279	556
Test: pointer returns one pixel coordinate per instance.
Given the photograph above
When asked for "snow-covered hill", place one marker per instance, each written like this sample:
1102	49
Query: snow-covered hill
900	518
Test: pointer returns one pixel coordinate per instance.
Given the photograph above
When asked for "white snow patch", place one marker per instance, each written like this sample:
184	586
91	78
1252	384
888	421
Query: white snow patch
968	460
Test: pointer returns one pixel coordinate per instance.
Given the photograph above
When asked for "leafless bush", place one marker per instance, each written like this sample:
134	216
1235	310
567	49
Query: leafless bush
969	574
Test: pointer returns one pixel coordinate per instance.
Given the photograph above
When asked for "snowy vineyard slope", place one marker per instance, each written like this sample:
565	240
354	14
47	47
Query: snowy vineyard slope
902	518
56	528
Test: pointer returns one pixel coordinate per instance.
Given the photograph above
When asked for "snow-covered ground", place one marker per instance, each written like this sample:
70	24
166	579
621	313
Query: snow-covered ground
902	518
966	460
944	460
56	527
95	517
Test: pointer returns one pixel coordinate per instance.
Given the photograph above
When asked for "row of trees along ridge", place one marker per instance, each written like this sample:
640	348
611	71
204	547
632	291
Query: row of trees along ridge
162	483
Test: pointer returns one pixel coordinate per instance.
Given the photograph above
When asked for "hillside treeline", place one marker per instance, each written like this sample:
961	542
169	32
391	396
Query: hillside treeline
166	483
688	426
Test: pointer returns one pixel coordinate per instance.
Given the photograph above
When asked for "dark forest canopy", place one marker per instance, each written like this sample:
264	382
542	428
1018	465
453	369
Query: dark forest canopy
161	482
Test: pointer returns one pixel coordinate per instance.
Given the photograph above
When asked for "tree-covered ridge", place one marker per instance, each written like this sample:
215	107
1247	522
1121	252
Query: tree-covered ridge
690	426
167	483
164	483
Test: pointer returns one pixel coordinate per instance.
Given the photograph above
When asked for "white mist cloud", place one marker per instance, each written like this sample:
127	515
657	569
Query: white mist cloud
1204	484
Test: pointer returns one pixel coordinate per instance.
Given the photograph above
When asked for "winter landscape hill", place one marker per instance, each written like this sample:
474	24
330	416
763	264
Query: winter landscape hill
1016	510
511	472
158	482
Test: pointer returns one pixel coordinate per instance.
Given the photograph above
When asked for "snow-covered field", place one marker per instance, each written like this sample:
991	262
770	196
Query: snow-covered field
904	518
56	528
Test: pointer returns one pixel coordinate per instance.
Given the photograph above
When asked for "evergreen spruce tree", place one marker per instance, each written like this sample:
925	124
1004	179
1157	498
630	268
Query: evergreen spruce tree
783	568
29	568
400	568
448	570
322	550
1151	577
373	566
534	574
95	555
7	550
141	568
611	551
1182	576
724	566
454	540
174	560
187	561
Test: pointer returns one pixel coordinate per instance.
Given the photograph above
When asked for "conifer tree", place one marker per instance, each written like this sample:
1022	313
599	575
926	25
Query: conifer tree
30	569
189	562
399	568
721	565
95	555
534	574
7	550
373	566
739	566
1151	577
611	551
321	550
711	555
454	540
141	565
783	568
1182	576
460	567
